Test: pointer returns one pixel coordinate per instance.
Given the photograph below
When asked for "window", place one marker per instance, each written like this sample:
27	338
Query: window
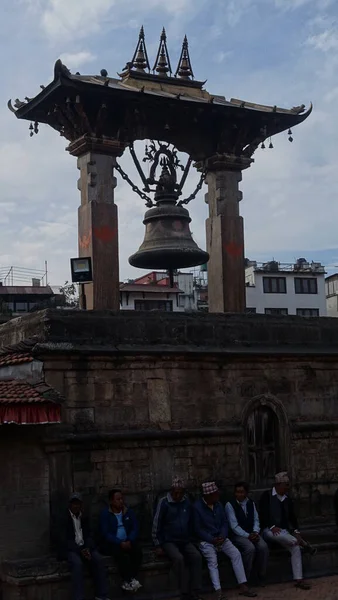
165	305
274	285
276	311
308	312
305	285
21	307
263	446
250	310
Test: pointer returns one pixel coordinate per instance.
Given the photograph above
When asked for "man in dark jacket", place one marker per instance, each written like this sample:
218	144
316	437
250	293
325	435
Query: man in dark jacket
211	528
119	532
279	524
76	546
244	524
172	535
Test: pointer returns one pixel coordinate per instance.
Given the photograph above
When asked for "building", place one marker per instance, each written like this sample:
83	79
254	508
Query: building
217	396
18	299
274	288
331	292
154	292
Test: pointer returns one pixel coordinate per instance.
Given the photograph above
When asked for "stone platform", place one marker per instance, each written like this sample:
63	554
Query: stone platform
48	579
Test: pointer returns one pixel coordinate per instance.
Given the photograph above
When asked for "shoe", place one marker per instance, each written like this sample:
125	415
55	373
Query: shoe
248	593
220	596
302	585
136	585
127	587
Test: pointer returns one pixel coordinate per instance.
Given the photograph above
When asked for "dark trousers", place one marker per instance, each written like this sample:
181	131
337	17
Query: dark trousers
128	562
187	564
77	565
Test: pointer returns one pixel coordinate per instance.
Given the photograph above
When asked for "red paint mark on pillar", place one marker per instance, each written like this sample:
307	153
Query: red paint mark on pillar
84	241
233	249
104	233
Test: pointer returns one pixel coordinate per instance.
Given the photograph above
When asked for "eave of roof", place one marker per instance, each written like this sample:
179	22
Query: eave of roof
112	86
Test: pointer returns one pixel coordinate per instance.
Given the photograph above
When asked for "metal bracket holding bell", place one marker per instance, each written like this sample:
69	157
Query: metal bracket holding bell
168	243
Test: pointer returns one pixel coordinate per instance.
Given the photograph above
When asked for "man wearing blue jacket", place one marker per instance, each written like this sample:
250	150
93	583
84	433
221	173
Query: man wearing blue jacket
172	535
211	528
119	533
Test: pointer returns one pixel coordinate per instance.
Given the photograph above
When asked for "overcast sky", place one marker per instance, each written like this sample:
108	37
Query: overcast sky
282	52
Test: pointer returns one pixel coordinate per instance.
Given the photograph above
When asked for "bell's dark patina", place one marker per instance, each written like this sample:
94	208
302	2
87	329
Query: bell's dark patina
168	242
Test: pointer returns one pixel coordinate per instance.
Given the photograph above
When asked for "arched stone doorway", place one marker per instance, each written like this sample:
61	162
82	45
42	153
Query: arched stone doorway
265	441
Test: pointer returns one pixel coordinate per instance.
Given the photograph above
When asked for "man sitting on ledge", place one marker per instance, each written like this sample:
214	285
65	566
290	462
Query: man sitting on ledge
119	532
211	528
245	532
172	535
76	546
279	525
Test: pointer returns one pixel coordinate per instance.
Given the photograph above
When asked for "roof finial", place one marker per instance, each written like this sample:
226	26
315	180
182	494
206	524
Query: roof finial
184	68
140	60
162	63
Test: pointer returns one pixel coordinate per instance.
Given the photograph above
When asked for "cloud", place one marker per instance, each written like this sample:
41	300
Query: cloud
325	41
288	194
77	59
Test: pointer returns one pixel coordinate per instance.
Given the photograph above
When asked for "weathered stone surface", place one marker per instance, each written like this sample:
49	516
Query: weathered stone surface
151	396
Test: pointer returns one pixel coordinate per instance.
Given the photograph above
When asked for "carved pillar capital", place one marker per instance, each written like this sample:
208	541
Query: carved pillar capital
224	162
99	145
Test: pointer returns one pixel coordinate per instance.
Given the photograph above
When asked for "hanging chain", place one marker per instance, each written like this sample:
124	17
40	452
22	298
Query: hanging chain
194	194
134	187
149	202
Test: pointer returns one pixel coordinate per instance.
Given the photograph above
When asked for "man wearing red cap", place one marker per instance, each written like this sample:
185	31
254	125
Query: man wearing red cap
211	528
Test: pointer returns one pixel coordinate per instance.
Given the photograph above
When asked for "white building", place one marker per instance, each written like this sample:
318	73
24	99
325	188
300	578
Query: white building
286	289
153	292
331	290
135	296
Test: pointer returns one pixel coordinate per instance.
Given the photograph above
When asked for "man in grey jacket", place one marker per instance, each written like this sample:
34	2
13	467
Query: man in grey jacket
172	536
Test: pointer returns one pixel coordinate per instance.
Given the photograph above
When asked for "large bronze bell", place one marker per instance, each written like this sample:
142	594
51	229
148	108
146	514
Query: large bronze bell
168	242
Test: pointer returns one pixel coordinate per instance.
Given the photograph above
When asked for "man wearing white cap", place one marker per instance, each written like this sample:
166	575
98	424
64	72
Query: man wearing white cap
173	534
279	523
211	528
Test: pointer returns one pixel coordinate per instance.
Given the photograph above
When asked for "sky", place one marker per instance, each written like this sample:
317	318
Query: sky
276	52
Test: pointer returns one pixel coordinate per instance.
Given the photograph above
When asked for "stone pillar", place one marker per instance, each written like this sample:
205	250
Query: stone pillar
98	219
225	235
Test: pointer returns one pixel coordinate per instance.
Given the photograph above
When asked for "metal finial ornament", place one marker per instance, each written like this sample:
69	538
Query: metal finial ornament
271	144
263	146
290	138
162	63
184	68
104	73
140	60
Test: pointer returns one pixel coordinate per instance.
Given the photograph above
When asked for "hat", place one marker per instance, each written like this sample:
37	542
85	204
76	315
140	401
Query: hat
282	477
75	497
209	488
177	483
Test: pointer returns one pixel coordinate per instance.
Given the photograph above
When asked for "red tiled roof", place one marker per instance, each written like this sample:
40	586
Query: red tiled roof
14	392
26	404
15	358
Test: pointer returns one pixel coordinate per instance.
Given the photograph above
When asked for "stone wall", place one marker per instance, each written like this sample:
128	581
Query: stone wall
24	494
149	396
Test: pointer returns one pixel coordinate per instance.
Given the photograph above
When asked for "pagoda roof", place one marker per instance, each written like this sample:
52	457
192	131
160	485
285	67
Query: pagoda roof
167	105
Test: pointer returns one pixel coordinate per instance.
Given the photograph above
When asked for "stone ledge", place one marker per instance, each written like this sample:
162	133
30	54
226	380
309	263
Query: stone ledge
132	329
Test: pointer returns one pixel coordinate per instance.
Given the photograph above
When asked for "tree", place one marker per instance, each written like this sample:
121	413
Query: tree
68	293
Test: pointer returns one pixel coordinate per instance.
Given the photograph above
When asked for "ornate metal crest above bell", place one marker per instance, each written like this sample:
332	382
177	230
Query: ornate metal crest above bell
168	242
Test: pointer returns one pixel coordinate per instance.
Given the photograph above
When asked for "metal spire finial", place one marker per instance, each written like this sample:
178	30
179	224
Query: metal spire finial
162	63
140	60
184	68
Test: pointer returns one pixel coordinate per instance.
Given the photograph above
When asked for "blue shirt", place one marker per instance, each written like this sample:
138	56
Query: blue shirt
121	533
